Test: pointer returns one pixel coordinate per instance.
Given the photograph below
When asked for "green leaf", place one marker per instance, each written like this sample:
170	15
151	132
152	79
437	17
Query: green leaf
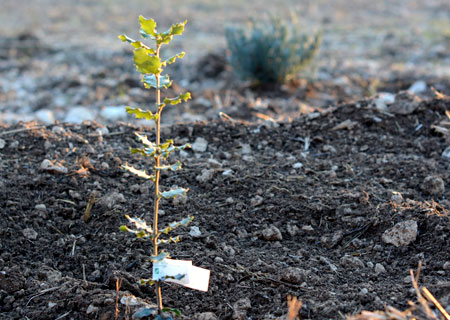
165	154
143	151
136	44
144	312
140	224
146	281
142	114
178	99
139	173
173	59
175	29
145	62
148	27
177	224
173	167
124	228
144	140
171	239
150	81
176	311
167	144
160	257
173	193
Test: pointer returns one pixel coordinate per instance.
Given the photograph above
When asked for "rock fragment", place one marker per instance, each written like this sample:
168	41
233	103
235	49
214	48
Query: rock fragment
272	233
350	261
200	145
379	268
195	232
401	234
30	233
205	316
294	275
433	185
206	175
48	165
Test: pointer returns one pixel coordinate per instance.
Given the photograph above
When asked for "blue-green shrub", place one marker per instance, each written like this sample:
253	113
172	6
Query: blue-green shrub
272	52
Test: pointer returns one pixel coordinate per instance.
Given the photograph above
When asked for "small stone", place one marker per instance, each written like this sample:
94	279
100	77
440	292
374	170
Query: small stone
382	100
102	131
419	86
227	172
213	163
200	145
48	165
445	153
294	275
114	113
195	232
379	268
401	234
206	175
2	143
113	199
297	165
350	261
308	229
205	316
329	148
79	115
446	265
45	116
272	233
51	304
58	130
30	233
331	240
75	195
405	103
229	250
40	207
179	200
245	149
433	185
292	229
218	260
407	280
256	201
396	197
95	276
364	291
91	309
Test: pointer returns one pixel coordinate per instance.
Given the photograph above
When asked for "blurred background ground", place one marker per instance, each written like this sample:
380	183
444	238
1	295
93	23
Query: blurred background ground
63	56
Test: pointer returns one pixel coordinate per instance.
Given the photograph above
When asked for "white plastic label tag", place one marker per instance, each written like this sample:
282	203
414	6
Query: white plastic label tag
189	276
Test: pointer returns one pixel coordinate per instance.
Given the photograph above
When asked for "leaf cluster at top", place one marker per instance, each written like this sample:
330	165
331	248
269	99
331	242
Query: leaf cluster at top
146	58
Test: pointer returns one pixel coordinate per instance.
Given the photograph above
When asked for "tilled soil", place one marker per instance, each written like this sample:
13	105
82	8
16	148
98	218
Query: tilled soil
295	208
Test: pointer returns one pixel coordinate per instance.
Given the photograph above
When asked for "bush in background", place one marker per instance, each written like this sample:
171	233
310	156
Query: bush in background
272	52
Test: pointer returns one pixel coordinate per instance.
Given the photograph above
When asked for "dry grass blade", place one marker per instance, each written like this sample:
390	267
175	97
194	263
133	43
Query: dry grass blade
294	307
430	297
421	310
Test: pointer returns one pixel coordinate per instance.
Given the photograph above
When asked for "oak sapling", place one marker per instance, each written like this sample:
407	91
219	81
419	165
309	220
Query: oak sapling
151	65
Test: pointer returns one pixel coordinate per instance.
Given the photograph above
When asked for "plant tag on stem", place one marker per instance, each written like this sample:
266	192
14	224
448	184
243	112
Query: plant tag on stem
189	276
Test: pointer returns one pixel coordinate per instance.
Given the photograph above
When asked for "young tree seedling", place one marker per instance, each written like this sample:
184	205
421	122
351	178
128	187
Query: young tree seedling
151	65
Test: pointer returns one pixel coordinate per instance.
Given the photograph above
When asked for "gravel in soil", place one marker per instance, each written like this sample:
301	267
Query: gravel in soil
334	207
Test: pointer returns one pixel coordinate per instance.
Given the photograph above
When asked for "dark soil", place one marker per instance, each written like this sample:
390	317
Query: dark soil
354	182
